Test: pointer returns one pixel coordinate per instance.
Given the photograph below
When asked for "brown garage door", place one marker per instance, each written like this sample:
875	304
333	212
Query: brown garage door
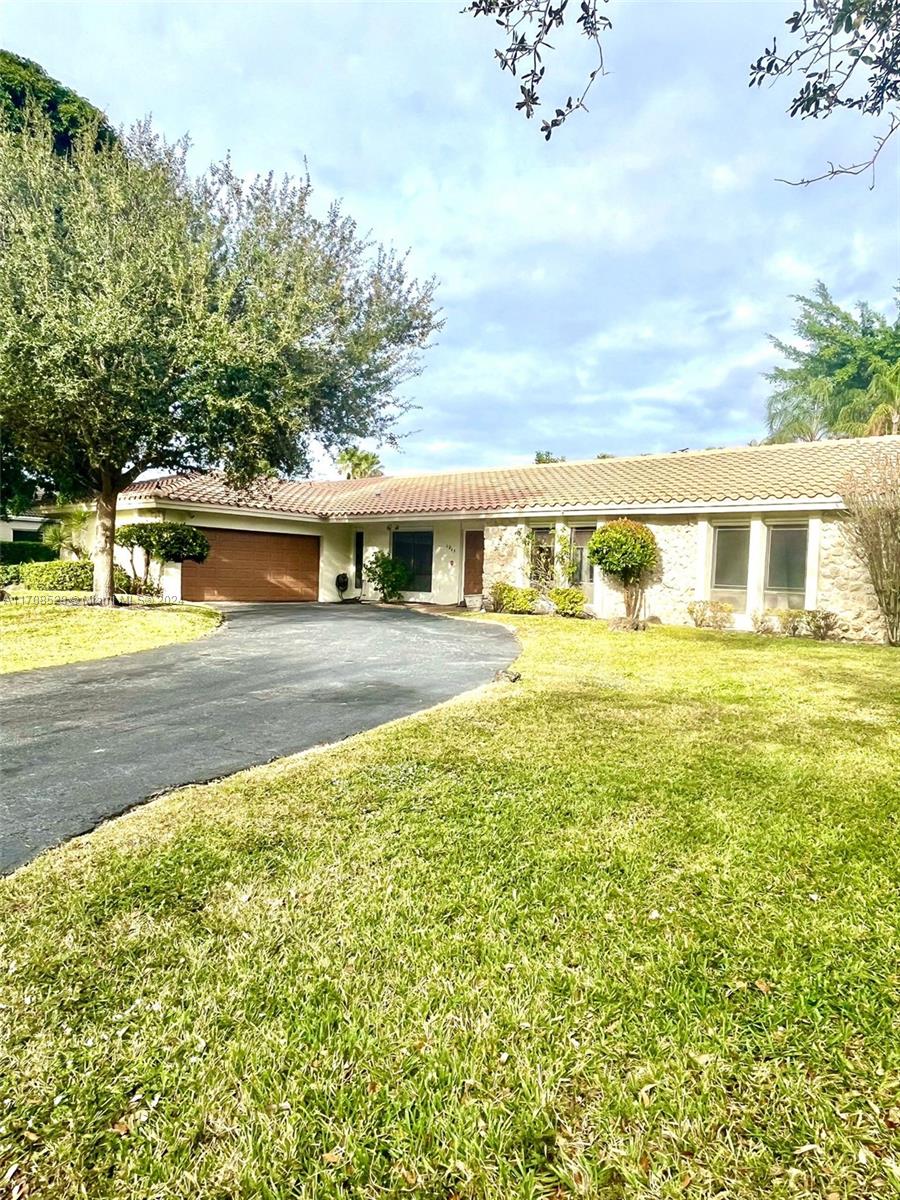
254	566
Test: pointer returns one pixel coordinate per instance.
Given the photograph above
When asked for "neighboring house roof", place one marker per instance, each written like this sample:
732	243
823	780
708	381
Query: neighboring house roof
30	516
797	471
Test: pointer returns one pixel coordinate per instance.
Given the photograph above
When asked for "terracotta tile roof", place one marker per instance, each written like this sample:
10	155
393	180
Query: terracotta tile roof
795	471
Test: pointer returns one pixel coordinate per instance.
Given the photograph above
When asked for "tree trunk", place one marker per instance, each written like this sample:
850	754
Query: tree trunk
634	596
105	544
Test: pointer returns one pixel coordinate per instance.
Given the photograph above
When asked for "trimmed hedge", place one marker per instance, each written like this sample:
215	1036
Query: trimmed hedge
9	575
66	577
24	552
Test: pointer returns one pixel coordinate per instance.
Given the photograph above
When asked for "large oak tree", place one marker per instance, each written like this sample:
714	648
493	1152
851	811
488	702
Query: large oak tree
149	319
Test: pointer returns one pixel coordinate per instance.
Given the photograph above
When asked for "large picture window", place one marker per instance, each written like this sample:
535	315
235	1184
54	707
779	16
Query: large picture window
786	566
731	558
415	548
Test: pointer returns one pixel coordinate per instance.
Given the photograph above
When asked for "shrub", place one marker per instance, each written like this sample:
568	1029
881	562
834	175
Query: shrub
165	541
627	551
698	611
721	614
821	623
389	576
9	574
711	614
173	541
66	577
762	622
507	598
67	533
791	621
872	497
24	552
569	601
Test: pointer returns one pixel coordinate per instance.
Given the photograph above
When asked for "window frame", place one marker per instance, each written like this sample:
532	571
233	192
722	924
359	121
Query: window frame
415	533
767	590
728	593
543	545
585	576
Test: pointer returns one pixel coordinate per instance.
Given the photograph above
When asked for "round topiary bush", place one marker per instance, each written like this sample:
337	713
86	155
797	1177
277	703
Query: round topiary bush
626	550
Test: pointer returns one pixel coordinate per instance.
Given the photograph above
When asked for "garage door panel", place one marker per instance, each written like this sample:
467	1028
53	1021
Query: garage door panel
254	566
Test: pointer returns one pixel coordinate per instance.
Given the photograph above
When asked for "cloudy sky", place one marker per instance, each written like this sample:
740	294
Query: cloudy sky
610	290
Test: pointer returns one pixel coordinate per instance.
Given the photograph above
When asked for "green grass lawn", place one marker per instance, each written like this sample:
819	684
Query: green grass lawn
49	635
627	928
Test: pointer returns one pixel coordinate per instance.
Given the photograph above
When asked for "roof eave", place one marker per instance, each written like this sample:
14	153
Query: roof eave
557	512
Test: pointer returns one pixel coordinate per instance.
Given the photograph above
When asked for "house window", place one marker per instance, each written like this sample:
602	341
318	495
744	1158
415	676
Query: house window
26	535
541	556
416	549
786	566
731	558
359	546
581	568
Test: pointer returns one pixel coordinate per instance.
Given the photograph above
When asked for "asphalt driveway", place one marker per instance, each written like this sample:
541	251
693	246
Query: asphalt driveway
82	743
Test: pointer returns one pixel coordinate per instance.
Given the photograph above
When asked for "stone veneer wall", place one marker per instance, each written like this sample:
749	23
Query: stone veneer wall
504	556
845	586
673	584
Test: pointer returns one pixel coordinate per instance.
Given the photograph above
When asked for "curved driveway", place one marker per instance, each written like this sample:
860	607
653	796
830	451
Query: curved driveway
85	742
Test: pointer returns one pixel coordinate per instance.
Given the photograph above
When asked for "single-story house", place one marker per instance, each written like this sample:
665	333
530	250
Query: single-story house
756	526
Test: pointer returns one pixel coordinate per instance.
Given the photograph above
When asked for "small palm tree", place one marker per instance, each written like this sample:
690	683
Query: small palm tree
885	391
358	464
802	416
876	411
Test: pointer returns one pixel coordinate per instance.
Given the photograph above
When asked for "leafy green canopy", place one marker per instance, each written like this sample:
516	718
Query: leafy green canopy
624	549
827	385
153	320
166	541
25	86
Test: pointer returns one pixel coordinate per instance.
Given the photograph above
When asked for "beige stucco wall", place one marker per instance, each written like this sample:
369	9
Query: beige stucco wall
844	585
170	579
446	577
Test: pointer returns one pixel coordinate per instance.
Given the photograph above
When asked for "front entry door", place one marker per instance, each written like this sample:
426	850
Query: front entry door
473	564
